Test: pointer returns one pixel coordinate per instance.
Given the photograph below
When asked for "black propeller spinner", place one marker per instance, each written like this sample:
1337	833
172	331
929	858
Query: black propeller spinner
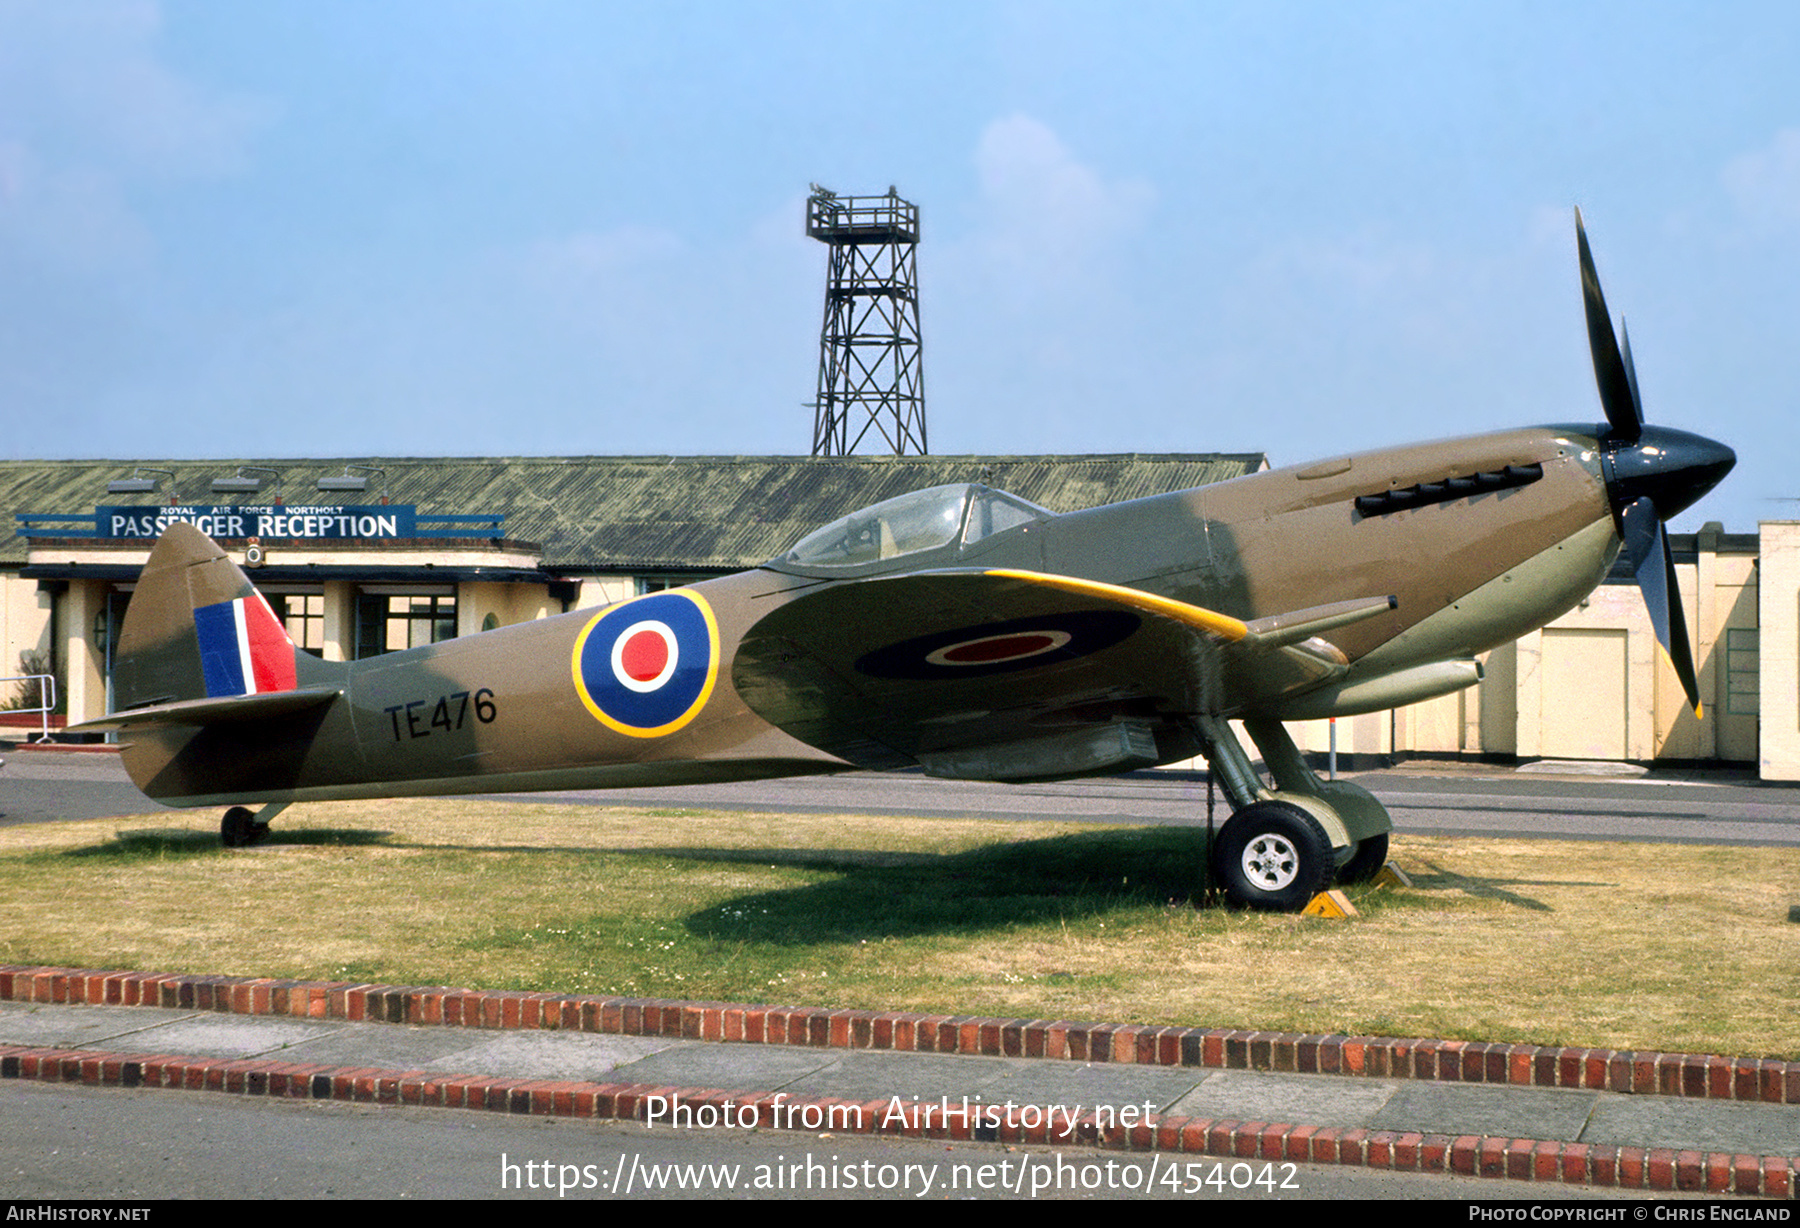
1652	472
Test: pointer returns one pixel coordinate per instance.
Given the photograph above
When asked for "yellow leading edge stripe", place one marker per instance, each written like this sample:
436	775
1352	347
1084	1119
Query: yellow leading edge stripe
1222	625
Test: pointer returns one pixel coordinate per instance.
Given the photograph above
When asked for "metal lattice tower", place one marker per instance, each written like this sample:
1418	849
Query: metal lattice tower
871	365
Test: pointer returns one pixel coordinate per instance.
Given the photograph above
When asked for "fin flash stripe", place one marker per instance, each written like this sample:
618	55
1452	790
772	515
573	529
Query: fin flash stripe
243	648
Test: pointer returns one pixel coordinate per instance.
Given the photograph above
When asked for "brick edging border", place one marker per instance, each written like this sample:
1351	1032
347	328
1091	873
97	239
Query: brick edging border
1763	1081
1686	1075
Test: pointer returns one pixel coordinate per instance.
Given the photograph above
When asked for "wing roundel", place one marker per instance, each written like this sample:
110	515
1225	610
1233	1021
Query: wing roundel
1003	647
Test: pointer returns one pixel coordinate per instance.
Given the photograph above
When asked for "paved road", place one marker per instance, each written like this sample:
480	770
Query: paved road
1695	808
39	786
1712	807
65	1141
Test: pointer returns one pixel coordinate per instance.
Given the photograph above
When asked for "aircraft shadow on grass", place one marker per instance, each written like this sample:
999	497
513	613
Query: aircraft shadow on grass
876	894
177	842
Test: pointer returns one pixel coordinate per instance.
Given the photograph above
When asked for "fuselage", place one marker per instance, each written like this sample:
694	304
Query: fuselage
1479	539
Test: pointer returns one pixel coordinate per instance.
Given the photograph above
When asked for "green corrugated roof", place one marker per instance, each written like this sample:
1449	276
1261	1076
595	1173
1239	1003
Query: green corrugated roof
636	512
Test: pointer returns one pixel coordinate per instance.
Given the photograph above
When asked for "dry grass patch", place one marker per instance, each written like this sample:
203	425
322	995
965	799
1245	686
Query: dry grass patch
1682	948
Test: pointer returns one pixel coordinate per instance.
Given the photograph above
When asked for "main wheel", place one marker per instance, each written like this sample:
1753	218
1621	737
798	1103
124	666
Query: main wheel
239	829
1273	856
1366	862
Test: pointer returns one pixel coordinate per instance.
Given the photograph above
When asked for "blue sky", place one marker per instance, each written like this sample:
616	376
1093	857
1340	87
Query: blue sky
325	227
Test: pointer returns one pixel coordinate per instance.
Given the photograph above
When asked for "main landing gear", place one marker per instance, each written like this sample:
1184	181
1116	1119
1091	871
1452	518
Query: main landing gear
241	827
1281	847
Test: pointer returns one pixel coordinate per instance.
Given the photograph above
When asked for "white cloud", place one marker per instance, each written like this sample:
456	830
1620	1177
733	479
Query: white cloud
88	78
1048	221
576	271
89	110
1765	183
1033	309
71	217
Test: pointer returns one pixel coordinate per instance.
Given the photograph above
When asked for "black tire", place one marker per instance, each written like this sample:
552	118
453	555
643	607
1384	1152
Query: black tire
238	828
1366	862
1272	856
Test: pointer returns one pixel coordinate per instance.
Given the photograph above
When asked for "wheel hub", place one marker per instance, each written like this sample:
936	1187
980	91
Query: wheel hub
1271	862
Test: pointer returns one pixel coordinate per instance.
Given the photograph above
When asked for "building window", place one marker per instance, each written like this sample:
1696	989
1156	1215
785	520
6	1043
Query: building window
387	621
303	614
1743	671
658	584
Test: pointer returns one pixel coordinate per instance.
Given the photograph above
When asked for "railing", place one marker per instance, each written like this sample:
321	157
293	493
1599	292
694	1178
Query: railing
47	692
492	522
84	525
853	219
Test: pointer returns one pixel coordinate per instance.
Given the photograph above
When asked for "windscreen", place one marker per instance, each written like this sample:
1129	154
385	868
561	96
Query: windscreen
923	520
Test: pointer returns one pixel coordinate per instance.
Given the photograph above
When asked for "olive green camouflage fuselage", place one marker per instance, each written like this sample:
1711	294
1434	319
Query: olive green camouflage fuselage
1476	541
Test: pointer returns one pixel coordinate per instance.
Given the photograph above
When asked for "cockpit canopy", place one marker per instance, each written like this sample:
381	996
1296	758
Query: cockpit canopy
942	518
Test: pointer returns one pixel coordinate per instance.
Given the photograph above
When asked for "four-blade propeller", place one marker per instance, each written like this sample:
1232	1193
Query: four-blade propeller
1651	474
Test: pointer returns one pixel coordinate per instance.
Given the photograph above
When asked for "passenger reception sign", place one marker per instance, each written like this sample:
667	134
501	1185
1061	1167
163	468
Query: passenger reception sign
276	521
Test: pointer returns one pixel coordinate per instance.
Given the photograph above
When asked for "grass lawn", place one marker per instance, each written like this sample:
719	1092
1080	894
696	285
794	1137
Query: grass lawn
1672	947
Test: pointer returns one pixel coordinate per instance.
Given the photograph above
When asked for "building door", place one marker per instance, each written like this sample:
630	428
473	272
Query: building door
107	622
1584	673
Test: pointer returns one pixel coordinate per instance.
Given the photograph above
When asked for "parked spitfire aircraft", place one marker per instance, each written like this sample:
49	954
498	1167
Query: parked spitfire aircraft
968	632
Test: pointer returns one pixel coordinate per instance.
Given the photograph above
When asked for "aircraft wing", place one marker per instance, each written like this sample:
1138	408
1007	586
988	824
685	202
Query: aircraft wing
1018	675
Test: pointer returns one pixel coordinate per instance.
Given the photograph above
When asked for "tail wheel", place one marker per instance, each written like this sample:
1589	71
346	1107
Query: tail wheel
1366	862
1273	856
239	828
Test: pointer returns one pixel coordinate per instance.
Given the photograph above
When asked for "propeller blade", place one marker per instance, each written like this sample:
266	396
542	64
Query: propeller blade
1647	546
1618	386
1637	402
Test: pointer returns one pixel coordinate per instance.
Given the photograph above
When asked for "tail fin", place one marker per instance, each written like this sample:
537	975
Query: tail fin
197	631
